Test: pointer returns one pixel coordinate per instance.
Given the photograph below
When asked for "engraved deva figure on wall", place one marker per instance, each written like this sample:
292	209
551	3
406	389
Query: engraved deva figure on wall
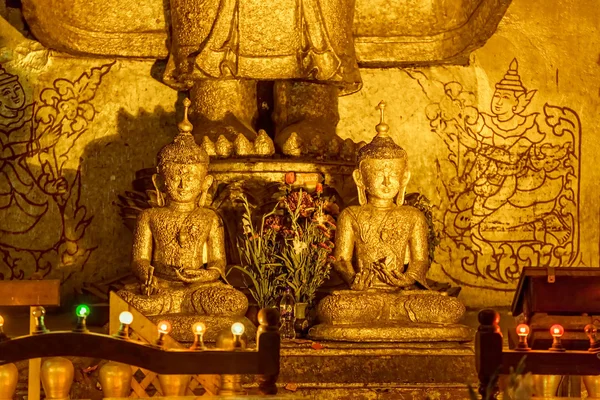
42	222
511	183
220	49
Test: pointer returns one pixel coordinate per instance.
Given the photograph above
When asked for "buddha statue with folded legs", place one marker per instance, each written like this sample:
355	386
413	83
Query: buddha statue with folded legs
179	250
382	254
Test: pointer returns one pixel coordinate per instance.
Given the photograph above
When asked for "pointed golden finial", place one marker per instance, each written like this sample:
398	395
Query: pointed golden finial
185	126
382	128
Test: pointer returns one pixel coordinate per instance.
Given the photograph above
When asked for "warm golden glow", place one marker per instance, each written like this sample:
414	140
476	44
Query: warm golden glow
557	330
126	317
1	321
199	328
522	330
237	328
164	327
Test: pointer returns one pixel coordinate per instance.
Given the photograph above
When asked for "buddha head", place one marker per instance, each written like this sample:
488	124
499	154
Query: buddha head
510	97
382	171
12	96
184	166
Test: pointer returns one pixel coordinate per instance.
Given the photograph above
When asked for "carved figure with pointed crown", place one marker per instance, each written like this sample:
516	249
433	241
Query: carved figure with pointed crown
178	249
389	299
507	190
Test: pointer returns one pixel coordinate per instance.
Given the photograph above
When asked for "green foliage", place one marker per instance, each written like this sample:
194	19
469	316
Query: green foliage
258	249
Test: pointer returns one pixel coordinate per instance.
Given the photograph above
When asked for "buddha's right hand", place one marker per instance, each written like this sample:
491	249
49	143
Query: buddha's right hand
150	289
363	280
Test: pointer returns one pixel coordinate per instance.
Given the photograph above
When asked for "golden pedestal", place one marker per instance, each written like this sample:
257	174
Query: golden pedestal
348	371
392	332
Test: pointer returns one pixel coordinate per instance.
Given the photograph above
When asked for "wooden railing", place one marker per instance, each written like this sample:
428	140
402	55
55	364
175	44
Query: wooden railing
492	360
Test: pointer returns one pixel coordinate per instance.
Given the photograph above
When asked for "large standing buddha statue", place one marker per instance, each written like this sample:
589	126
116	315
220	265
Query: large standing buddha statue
178	247
388	297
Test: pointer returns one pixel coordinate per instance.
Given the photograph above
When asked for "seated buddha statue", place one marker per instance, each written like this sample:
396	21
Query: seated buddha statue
179	250
388	297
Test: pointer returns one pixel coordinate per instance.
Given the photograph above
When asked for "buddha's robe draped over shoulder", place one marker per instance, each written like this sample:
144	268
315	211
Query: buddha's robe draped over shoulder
263	40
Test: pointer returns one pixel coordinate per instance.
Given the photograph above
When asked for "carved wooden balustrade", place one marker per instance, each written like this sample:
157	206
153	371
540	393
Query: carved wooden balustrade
160	358
492	360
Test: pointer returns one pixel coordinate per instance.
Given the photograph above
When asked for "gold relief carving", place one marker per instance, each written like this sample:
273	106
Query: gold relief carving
42	220
512	199
389	243
385	32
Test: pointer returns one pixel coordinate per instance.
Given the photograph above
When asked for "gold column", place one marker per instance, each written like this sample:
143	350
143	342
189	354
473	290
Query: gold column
546	385
9	376
592	385
115	379
57	378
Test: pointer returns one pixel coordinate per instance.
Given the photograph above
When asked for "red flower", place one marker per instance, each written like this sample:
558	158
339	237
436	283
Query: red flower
319	188
324	246
274	222
290	177
302	199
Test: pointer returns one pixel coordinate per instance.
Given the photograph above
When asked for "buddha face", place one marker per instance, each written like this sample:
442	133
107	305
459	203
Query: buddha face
504	103
382	179
185	182
12	98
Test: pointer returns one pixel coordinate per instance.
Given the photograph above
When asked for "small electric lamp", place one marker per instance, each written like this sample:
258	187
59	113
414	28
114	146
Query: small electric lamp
238	330
198	330
590	330
82	311
38	313
125	318
557	331
522	332
164	327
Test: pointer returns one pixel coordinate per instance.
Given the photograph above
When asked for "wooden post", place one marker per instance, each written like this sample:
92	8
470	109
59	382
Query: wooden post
268	342
33	294
33	380
488	353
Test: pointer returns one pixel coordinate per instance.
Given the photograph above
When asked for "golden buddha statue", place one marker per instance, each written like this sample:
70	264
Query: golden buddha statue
384	302
178	247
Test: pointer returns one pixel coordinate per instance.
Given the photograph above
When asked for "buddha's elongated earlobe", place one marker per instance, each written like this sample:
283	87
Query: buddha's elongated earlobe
360	186
208	181
160	200
402	191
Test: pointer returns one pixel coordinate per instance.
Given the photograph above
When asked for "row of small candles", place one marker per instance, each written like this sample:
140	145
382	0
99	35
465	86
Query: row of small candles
556	331
125	319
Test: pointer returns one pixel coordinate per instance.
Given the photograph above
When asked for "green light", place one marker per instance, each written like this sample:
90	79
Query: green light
82	310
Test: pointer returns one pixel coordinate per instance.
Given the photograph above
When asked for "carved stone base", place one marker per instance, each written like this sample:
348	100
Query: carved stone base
375	371
392	332
182	326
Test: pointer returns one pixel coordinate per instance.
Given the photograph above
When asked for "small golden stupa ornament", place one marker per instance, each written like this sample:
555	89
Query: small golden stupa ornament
263	145
209	146
224	147
242	146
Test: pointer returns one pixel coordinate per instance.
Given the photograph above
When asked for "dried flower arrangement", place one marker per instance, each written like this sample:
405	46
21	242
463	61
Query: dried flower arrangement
291	246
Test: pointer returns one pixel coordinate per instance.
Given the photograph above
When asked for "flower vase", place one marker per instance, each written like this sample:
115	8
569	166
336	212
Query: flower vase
252	313
301	324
